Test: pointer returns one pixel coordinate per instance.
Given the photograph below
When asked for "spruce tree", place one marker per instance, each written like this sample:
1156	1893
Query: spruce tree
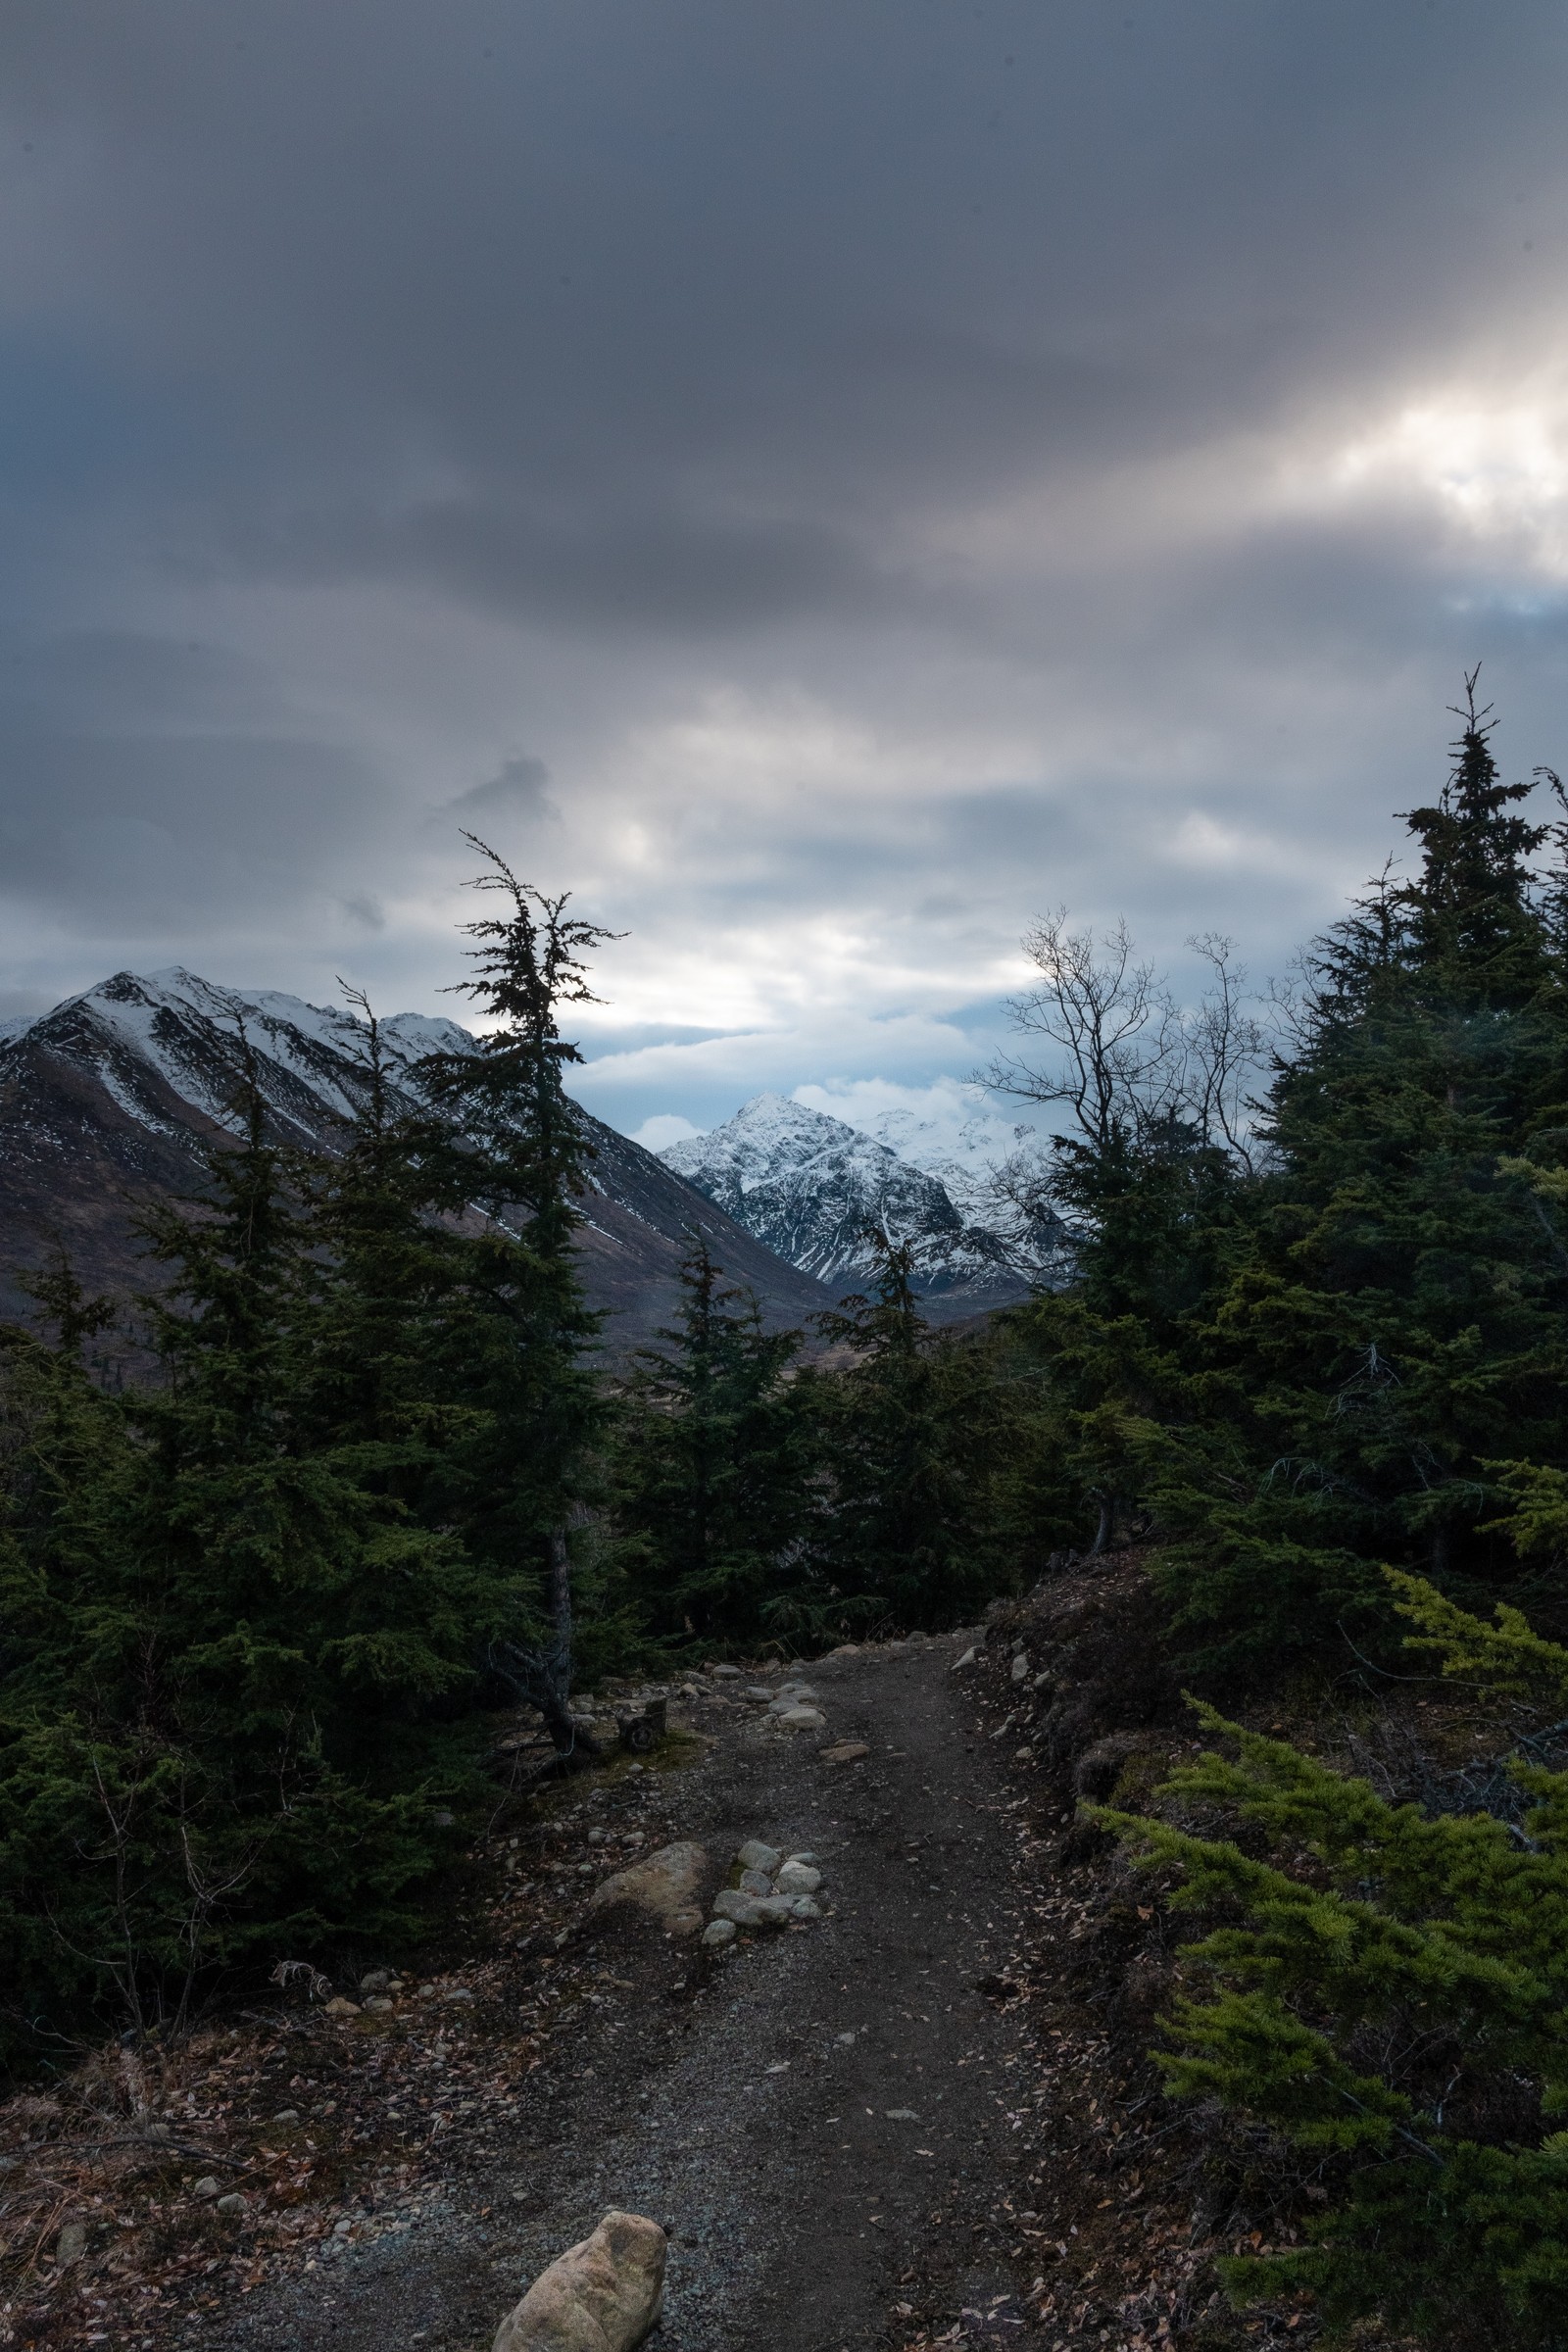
522	1472
916	1431
1383	1992
713	1477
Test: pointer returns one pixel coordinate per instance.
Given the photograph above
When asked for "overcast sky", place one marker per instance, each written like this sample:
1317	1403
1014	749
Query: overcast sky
824	482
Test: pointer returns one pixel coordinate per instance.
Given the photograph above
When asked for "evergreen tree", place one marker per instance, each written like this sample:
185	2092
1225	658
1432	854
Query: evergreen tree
714	1478
1298	1360
213	1740
1384	1992
916	1432
521	1473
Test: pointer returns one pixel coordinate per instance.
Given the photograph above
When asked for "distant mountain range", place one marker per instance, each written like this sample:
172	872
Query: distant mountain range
106	1102
814	1189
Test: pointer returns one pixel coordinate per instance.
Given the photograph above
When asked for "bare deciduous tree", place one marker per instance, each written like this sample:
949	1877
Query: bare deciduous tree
1123	1058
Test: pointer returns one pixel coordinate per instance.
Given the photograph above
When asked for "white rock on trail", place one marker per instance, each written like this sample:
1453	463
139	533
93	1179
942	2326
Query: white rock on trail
755	1856
969	1658
797	1719
718	1932
603	2295
1020	1667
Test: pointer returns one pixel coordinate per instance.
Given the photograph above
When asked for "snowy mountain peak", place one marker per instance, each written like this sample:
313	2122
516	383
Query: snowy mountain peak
815	1190
109	1101
770	1132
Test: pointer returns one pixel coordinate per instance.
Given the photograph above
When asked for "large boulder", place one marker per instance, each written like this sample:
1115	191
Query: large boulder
603	2295
667	1887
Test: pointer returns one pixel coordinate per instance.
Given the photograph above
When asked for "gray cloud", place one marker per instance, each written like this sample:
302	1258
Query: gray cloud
884	458
516	790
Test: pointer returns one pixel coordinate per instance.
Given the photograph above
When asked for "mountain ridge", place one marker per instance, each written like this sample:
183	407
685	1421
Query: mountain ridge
814	1189
107	1101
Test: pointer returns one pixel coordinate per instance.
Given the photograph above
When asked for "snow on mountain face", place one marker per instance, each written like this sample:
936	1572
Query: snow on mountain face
814	1189
108	1101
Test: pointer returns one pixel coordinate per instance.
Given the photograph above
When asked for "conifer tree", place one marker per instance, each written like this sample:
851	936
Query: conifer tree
713	1471
1384	1992
523	1474
914	1431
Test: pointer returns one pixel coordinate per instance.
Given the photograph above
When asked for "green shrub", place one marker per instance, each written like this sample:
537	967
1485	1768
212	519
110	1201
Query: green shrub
1388	1993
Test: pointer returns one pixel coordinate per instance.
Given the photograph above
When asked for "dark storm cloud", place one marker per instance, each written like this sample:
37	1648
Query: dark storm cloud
682	306
942	368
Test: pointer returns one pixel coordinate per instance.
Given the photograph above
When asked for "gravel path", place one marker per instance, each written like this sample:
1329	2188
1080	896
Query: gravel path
814	2118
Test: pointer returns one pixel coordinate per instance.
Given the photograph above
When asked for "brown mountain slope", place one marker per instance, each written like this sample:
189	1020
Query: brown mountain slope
106	1102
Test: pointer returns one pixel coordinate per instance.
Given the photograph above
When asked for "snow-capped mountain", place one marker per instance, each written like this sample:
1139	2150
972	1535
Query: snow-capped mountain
813	1188
106	1102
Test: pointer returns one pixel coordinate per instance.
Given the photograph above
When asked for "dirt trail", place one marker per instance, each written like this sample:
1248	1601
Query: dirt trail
801	2173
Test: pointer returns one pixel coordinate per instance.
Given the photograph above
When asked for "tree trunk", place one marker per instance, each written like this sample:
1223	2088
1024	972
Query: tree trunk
556	1707
542	1678
1106	1527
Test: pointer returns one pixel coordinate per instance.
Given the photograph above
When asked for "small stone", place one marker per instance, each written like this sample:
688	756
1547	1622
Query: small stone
901	2115
441	1818
775	1910
375	1979
1020	1667
725	1674
718	1932
599	1837
207	2187
379	2004
848	1751
756	1882
287	2115
806	1906
1023	1755
800	1718
758	1691
233	2203
755	1856
339	2007
456	1992
743	1909
845	1650
72	2243
808	1859
797	1877
969	1658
